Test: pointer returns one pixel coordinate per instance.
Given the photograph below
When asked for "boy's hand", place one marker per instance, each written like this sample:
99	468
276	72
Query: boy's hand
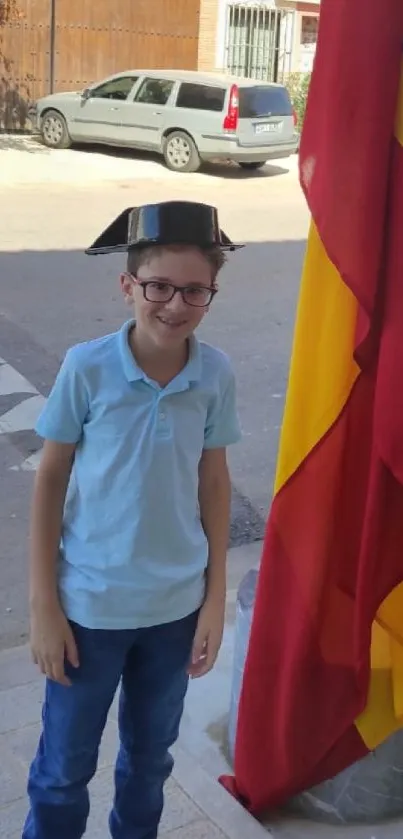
52	642
208	638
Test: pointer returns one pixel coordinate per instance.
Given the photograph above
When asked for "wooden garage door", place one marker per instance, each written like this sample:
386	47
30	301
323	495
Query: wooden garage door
87	40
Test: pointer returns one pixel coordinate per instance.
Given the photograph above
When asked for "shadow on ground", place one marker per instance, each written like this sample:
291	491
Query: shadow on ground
219	169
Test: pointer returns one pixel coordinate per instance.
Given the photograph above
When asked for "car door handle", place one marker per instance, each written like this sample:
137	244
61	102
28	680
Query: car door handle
113	109
157	113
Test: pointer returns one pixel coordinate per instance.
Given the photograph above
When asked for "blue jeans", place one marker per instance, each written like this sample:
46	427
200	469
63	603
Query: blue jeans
152	664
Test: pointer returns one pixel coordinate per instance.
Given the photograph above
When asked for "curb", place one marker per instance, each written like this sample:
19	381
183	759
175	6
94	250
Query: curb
217	804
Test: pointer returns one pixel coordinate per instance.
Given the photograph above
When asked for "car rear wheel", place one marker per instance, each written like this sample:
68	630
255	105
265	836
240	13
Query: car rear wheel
253	166
180	152
54	131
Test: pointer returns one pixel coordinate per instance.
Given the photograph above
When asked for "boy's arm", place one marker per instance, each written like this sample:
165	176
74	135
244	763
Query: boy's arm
215	508
52	640
215	504
61	426
46	521
222	430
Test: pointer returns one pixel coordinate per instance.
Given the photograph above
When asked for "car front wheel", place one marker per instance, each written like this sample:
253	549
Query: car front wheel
180	152
54	131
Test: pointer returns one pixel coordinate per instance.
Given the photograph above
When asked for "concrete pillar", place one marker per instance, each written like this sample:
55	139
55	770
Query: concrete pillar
208	29
296	47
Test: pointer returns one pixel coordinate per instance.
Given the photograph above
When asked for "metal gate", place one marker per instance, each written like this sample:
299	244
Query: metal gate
259	41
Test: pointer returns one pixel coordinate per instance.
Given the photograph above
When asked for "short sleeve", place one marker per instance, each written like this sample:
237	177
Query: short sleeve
66	409
222	426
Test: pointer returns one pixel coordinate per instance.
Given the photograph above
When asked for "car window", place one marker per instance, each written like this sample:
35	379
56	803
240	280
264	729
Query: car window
200	97
115	88
155	91
264	101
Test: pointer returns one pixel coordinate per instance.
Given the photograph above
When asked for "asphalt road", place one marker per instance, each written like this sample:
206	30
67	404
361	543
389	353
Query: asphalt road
52	295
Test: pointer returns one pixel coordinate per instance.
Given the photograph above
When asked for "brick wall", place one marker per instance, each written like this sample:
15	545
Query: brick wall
208	21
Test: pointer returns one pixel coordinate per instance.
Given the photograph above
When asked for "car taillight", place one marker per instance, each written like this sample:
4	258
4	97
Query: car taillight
232	116
295	117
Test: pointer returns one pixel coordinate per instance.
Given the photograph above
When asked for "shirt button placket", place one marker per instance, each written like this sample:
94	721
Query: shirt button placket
162	421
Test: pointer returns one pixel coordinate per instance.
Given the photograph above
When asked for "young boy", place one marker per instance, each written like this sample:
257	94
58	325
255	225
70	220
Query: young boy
130	526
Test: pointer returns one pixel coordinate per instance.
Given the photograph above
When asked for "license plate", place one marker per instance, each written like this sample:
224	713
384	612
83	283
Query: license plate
267	127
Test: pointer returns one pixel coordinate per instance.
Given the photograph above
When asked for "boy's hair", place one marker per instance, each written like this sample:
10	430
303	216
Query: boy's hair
138	257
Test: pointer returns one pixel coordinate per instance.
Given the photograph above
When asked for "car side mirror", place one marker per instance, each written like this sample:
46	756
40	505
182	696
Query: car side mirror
86	93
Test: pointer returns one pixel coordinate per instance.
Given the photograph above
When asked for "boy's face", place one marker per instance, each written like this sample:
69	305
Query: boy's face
169	323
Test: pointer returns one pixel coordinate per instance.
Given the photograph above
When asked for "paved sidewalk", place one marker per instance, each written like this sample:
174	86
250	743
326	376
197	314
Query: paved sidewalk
196	806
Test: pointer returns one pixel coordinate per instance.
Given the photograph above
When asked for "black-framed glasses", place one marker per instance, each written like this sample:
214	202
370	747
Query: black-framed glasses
162	291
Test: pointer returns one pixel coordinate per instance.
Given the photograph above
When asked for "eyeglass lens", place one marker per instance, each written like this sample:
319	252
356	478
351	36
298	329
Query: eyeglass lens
162	292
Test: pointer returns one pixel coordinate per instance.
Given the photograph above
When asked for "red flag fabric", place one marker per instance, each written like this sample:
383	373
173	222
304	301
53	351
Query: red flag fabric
323	681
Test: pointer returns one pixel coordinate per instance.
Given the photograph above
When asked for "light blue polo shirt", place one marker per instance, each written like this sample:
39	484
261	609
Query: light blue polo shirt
133	551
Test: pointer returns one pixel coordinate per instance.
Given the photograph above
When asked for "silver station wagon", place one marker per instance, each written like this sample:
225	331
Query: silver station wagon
186	116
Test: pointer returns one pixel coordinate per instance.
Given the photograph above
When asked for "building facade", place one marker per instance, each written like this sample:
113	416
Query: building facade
261	38
64	45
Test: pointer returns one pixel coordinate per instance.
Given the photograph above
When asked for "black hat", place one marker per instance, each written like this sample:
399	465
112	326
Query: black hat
168	223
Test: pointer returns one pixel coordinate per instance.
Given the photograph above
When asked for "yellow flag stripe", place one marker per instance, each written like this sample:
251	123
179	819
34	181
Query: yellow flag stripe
399	115
322	369
383	714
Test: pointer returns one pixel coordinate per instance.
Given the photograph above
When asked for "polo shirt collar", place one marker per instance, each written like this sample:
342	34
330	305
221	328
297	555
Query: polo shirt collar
131	369
190	373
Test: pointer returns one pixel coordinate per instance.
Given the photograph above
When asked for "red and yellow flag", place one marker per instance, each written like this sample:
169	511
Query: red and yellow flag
323	682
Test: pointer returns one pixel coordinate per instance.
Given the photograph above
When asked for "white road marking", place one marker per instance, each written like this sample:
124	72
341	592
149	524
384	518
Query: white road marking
31	463
22	417
11	381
